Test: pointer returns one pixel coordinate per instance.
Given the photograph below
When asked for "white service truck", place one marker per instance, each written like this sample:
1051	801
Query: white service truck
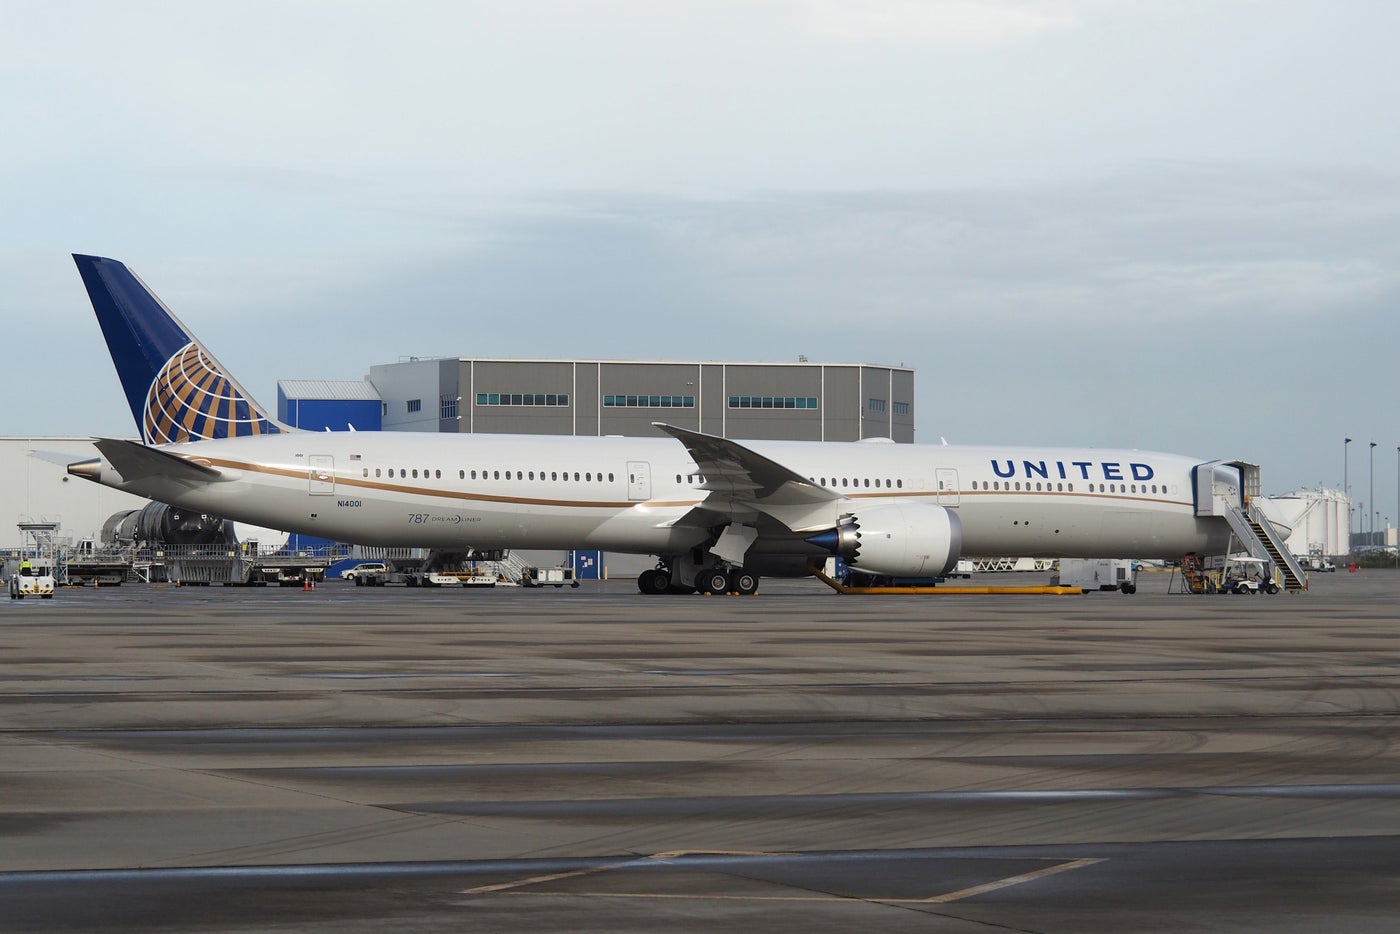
1098	574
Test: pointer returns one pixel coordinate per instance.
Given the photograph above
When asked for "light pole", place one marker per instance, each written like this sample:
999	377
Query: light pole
1372	494
1346	486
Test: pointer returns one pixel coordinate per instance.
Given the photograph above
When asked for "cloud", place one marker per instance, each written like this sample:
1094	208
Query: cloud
979	22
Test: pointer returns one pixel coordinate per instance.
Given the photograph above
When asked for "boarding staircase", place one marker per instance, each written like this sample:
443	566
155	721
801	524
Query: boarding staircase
1264	542
503	564
514	566
1230	490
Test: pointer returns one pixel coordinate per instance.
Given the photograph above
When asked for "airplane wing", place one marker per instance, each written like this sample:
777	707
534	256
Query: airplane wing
743	483
135	461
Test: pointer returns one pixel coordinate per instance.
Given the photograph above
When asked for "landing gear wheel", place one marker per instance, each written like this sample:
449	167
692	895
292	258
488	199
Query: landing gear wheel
745	583
654	581
715	580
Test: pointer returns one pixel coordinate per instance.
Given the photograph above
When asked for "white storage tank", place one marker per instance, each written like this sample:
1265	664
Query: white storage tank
1321	521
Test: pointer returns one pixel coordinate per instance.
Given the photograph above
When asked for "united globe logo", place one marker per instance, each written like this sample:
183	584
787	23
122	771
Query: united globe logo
192	400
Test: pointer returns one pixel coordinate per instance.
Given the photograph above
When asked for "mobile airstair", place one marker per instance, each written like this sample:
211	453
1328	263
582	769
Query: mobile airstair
1231	490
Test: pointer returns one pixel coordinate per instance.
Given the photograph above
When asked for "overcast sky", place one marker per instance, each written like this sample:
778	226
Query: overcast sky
1164	224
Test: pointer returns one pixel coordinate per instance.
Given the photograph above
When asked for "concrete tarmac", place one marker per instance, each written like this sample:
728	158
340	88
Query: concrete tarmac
359	759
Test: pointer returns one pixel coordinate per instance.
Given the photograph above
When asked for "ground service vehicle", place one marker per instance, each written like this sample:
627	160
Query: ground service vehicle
364	570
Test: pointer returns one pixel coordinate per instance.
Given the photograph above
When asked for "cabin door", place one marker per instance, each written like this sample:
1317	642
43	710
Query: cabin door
638	481
320	473
947	479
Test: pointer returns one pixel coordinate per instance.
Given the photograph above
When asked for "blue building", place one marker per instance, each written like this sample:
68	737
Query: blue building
335	404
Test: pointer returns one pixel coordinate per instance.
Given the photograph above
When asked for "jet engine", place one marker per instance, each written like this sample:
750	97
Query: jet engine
897	539
161	524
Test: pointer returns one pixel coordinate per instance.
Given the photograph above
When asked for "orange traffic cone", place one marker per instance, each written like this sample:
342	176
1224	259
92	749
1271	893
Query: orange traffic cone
305	584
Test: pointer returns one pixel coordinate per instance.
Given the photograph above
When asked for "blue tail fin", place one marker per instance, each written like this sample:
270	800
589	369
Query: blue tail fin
176	389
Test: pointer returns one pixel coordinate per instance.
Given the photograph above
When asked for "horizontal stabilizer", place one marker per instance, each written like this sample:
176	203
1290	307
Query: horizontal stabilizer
136	461
61	458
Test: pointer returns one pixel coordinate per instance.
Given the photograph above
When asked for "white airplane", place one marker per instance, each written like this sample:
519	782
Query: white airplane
717	513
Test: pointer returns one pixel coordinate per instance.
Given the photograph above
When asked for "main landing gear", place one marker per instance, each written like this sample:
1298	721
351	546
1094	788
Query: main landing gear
716	580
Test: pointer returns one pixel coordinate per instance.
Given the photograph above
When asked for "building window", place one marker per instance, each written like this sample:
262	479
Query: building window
772	402
415	405
877	405
555	399
648	402
901	408
447	407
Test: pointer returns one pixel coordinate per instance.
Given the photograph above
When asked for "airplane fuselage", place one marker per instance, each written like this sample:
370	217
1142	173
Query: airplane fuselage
627	494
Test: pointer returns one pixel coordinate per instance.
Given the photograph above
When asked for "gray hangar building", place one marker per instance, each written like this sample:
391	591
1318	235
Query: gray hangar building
799	401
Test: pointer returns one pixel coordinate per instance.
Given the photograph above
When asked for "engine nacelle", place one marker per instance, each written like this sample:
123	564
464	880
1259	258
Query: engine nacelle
897	539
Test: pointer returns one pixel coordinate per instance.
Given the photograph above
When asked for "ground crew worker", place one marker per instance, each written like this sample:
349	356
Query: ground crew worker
25	568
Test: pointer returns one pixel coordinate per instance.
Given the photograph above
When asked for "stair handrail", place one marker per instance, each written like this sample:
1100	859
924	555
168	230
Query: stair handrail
1256	515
